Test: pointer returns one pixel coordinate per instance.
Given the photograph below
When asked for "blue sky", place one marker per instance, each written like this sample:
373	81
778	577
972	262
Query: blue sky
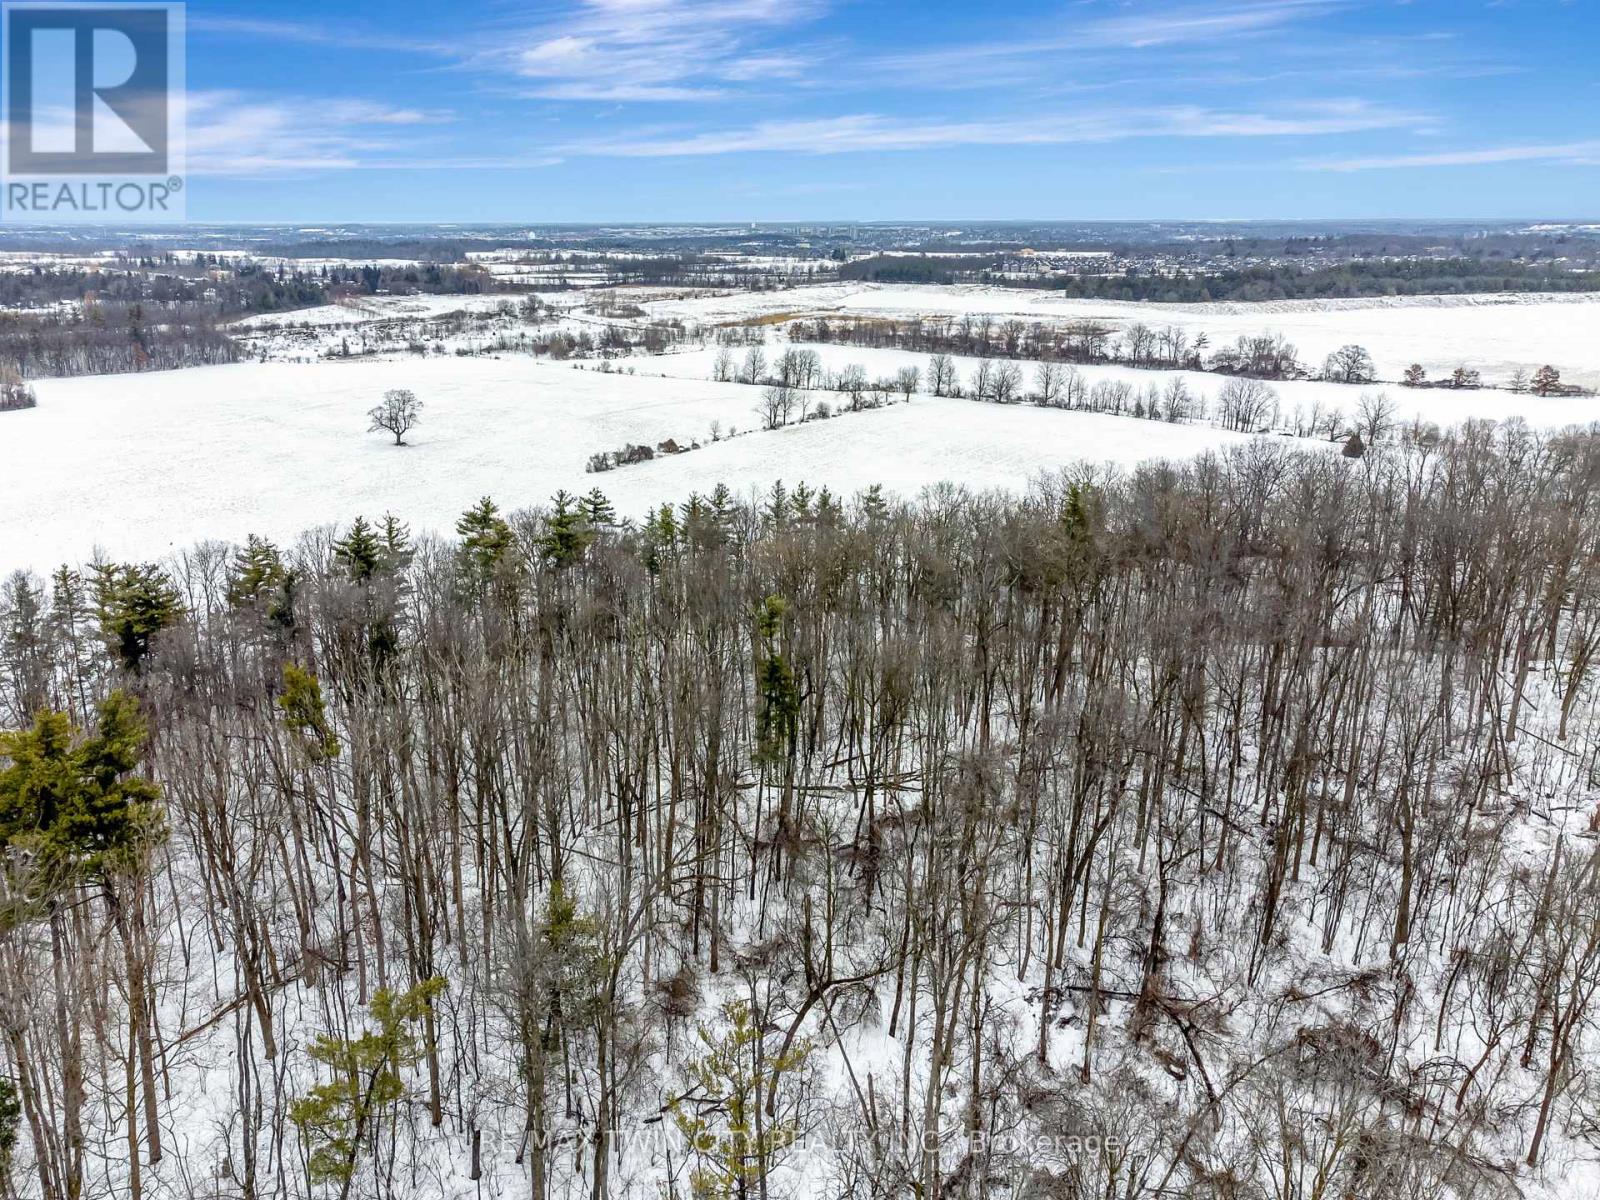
678	110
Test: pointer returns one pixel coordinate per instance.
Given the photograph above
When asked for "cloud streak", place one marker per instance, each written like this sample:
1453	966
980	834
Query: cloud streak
233	134
866	132
652	50
1203	23
1582	154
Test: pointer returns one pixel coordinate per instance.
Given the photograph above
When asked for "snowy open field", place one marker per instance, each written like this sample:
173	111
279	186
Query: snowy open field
1496	335
144	465
140	466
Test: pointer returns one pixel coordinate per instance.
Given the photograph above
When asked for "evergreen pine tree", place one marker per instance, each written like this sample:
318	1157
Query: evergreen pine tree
730	1083
800	500
339	1118
397	550
10	1124
567	534
556	979
257	567
873	505
133	604
661	538
24	636
722	506
360	552
70	618
70	803
597	510
305	714
485	542
777	718
829	510
776	513
699	529
260	580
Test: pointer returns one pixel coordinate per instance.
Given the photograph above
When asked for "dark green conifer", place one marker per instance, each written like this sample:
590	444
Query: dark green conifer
485	543
134	602
598	510
71	803
567	534
360	552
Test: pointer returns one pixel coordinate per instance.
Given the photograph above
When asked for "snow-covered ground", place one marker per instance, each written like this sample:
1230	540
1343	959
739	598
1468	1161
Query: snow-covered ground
371	309
145	465
1497	335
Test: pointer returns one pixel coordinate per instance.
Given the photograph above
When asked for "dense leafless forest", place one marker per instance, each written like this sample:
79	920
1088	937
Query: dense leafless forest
1218	830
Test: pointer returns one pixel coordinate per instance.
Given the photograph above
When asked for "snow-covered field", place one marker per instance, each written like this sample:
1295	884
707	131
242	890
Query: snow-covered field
1496	335
145	465
373	309
140	466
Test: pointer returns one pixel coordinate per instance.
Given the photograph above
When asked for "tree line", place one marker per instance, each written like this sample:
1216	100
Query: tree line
110	339
1203	283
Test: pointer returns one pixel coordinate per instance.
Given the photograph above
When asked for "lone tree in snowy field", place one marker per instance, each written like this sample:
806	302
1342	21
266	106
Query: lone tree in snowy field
399	413
1546	381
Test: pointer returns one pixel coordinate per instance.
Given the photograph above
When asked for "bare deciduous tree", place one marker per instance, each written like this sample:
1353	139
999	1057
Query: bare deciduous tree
399	413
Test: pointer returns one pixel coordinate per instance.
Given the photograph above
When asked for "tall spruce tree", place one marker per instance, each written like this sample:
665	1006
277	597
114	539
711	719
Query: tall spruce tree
486	542
134	602
360	552
567	534
260	580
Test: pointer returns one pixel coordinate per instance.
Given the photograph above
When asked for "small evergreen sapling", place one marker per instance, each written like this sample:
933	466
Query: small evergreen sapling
337	1119
733	1141
305	715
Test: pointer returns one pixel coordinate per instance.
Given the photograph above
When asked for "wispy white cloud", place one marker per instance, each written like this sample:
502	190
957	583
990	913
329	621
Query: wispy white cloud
1169	27
342	36
591	50
873	132
1585	153
1202	22
233	134
650	49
